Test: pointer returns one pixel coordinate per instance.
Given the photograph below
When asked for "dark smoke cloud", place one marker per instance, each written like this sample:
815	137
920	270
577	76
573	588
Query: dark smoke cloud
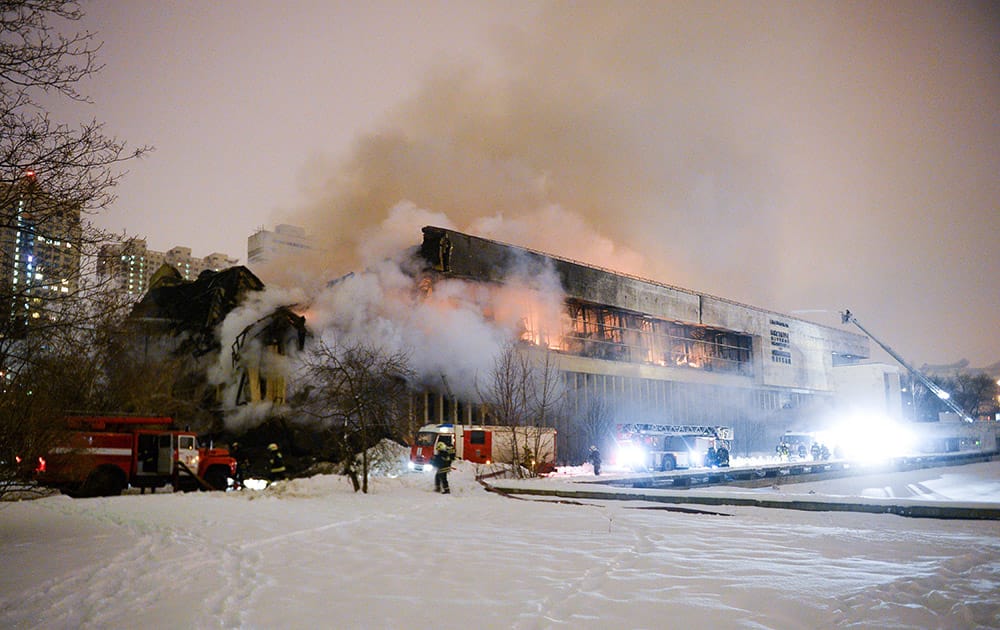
788	155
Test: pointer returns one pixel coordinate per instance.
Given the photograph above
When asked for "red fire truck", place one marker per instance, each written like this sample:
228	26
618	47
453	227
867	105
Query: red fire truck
535	446
103	455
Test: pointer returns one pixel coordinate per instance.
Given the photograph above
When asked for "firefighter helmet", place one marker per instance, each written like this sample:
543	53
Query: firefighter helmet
272	447
441	446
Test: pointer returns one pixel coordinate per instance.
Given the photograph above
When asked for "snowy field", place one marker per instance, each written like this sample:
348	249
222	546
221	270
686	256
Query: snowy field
310	553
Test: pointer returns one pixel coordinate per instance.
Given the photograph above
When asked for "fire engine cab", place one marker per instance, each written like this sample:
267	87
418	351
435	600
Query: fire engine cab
103	455
534	447
668	446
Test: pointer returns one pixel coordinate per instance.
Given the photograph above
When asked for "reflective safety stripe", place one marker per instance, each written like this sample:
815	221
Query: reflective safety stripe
126	452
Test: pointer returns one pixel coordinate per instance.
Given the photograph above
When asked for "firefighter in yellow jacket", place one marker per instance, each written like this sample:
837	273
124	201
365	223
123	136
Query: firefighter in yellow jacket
275	463
444	454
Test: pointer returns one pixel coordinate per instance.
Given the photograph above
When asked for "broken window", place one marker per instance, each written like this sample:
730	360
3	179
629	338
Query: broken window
614	334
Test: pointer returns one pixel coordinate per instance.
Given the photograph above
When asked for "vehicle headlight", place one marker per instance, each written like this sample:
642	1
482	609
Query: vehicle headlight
631	455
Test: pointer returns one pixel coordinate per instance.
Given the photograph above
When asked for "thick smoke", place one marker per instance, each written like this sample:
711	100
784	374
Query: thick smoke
774	154
450	330
257	306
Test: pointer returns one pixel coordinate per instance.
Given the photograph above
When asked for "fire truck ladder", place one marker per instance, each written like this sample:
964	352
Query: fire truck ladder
847	317
722	433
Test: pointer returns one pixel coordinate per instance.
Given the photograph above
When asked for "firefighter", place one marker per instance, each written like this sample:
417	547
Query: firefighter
783	451
236	453
275	463
443	456
444	253
722	456
595	459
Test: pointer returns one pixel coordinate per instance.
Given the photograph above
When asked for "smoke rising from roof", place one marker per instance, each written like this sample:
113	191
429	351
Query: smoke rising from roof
449	329
789	156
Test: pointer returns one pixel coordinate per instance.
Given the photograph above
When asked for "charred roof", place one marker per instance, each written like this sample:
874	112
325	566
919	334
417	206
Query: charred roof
195	306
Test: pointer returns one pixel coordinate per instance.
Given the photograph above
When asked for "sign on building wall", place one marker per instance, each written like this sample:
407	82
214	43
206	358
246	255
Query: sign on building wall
780	343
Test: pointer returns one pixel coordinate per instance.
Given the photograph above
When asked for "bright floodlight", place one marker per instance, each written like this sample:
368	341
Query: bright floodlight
631	455
873	438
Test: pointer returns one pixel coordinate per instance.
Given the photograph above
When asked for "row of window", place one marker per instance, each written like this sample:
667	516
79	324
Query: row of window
603	398
608	333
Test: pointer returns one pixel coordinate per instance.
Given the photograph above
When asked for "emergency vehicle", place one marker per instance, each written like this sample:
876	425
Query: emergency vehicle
103	455
535	446
670	446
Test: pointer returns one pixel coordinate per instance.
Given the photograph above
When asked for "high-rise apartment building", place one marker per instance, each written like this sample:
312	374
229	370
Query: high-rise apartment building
286	240
40	239
131	265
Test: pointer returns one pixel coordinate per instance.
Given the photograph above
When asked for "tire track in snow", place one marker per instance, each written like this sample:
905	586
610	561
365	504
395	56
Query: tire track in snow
86	598
584	599
300	532
958	589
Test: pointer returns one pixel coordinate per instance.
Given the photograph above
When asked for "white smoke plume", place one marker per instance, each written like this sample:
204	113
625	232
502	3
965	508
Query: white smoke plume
226	374
450	331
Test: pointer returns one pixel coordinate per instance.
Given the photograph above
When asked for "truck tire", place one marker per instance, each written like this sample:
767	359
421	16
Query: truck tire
103	482
668	463
72	490
217	477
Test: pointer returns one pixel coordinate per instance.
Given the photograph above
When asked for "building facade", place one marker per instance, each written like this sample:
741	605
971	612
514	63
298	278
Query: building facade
130	265
286	240
40	244
635	350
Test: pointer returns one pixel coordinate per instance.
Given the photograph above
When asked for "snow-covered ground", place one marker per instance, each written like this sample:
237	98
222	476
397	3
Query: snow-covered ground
310	553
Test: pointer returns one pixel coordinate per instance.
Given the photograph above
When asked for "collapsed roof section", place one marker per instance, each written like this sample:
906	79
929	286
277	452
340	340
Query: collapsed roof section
261	372
194	308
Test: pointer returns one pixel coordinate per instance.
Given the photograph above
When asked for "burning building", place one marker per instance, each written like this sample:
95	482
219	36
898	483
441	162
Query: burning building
645	351
190	312
622	348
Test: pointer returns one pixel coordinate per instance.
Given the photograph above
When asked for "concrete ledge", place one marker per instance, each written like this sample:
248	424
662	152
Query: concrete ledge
788	472
872	506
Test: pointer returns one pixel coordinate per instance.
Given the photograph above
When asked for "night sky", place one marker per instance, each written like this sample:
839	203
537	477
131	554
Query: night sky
801	157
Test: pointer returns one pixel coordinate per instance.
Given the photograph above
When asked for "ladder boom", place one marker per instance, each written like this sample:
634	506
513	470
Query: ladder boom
847	317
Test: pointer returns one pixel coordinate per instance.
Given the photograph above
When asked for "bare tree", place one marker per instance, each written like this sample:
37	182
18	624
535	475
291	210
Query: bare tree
39	62
594	427
548	407
976	394
752	434
52	175
506	397
520	393
119	368
26	428
360	393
